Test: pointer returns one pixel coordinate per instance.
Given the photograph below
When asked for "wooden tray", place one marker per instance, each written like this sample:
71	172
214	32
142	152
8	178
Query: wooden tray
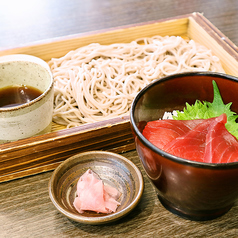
43	153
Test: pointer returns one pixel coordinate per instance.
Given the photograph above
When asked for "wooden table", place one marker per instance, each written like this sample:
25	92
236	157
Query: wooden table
25	207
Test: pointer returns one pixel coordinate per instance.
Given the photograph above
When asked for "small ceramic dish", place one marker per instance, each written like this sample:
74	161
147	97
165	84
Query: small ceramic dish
114	169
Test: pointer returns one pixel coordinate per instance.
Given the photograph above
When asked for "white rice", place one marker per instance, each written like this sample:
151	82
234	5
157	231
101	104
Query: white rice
169	115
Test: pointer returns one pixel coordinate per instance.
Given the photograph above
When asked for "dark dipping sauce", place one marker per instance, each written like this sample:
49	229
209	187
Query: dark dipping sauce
16	95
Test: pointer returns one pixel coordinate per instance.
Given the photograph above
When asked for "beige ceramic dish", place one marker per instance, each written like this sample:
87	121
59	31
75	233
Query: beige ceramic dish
33	117
114	169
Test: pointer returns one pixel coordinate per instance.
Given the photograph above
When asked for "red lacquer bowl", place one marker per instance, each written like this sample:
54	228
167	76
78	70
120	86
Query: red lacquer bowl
193	190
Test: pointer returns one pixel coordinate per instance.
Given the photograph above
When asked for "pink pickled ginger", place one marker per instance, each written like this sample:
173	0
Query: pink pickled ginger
93	195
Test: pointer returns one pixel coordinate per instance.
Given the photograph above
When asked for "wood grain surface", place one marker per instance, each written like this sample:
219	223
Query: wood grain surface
25	206
26	211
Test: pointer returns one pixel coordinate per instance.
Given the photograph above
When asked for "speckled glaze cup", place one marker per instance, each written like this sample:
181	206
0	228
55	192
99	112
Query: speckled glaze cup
34	117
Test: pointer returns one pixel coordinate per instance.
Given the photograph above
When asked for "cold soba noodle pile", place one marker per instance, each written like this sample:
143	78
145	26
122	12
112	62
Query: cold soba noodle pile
99	82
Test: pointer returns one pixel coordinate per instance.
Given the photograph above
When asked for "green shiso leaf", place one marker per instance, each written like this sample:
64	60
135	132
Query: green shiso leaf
205	110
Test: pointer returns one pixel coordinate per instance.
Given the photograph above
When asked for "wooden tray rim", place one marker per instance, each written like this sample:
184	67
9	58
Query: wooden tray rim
198	17
64	134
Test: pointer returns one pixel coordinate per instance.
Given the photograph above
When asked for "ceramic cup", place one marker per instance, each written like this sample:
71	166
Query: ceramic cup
34	117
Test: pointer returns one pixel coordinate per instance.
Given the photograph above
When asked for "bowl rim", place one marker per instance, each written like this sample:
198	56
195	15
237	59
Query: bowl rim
163	153
107	217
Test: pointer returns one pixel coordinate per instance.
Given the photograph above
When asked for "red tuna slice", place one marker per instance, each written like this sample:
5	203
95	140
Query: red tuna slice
161	132
221	146
192	145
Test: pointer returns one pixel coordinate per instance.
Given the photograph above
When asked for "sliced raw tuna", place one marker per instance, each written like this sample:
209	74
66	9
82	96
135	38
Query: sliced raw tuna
205	140
93	195
161	132
221	146
192	144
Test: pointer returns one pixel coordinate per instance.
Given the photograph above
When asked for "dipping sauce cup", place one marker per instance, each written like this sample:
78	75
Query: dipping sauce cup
28	77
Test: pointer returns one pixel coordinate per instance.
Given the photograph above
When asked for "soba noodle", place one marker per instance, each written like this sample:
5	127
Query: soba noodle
98	82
